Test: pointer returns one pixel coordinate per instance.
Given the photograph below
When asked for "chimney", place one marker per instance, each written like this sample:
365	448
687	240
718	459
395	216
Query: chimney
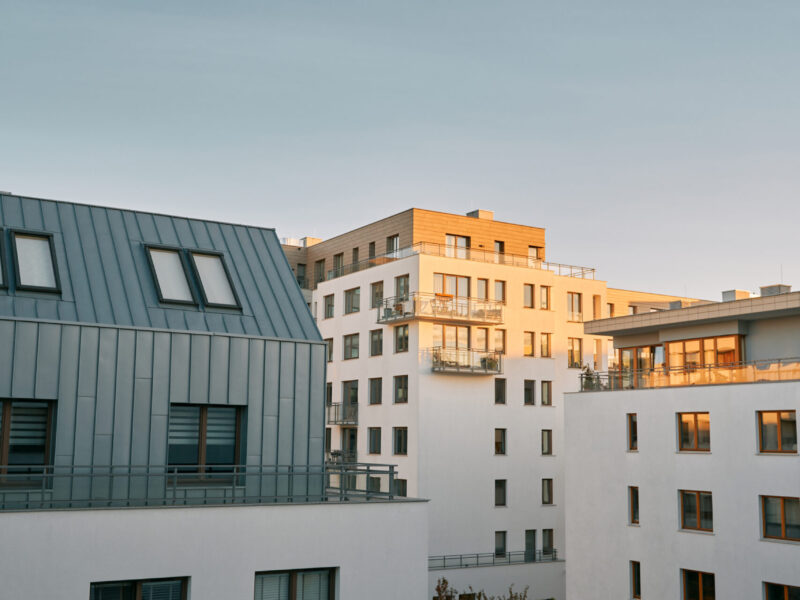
774	290
481	214
731	295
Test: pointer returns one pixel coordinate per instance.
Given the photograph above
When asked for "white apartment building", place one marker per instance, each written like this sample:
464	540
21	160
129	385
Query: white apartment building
449	356
682	469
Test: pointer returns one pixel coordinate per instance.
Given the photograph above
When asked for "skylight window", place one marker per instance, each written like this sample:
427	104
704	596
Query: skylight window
172	283
215	281
35	262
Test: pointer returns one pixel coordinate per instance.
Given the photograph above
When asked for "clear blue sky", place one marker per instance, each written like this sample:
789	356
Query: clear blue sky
656	141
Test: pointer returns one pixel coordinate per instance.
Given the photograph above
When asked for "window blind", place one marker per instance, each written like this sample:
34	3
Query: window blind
312	585
272	587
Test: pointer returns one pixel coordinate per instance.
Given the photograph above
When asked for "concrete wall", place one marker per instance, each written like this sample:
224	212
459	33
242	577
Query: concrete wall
379	548
773	338
599	470
113	387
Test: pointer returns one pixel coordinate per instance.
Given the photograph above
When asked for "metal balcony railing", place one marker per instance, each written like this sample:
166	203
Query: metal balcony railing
474	254
488	559
419	305
464	360
341	456
783	369
80	487
342	414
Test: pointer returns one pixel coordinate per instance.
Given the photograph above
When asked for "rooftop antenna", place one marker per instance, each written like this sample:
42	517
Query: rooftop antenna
781	273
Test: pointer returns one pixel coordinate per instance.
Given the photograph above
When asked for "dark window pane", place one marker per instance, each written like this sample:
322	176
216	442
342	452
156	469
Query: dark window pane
184	435
791	509
689	503
162	590
772	517
221	436
111	591
789	431
691	585
28	436
709	592
774	592
706	514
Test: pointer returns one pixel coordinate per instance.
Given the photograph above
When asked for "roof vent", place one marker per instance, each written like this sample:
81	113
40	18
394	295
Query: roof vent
775	290
731	295
481	214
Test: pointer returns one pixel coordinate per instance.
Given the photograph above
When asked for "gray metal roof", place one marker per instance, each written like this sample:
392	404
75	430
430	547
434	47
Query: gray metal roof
106	278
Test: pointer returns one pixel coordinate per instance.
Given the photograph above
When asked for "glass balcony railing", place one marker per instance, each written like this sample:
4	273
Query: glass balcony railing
466	361
420	305
342	414
782	369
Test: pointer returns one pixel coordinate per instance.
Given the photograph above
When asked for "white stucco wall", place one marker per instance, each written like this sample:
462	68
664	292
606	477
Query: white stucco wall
379	548
544	580
599	470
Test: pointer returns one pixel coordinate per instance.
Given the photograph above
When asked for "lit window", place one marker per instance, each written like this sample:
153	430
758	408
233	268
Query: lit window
547	393
696	510
297	585
172	284
781	517
636	583
574	306
698	585
544	297
547	442
35	262
574	353
544	343
633	504
203	438
547	491
778	431
215	280
154	589
695	432
528	339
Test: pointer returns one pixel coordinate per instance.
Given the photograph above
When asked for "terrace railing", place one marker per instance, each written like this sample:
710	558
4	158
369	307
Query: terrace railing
342	414
419	305
467	361
490	559
783	369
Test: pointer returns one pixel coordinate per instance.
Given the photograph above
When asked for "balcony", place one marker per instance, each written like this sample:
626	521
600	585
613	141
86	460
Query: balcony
82	487
342	414
466	361
490	559
339	457
473	254
784	369
440	307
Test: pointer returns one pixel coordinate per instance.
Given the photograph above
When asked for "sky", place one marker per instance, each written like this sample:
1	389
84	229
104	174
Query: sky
658	142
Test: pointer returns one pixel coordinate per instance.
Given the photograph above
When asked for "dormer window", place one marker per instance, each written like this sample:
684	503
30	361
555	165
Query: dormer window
215	281
172	282
35	262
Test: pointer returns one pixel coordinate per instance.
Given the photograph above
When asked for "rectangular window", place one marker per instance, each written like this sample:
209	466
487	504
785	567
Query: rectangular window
401	487
329	393
500	291
481	338
355	256
319	271
401	287
778	431
528	339
574	306
171	277
574	353
527	295
499	391
338	264
327	302
694	432
698	585
547	541
374	441
451	285
547	442
316	584
530	545
610	310
376	342
350	391
327	439
457	246
500	340
499	492
633	432
636	583
544	342
204	438
216	285
376	390
482	293
777	591
400	440
352	301
401	338
499	250
547	491
401	389
633	504
547	393
350	346
781	517
393	245
529	398
151	589
499	441
534	254
371	250
376	294
329	349
632	310
696	510
25	434
499	543
544	297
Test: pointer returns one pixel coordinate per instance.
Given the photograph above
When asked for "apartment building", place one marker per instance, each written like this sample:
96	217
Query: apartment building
162	421
450	344
682	470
